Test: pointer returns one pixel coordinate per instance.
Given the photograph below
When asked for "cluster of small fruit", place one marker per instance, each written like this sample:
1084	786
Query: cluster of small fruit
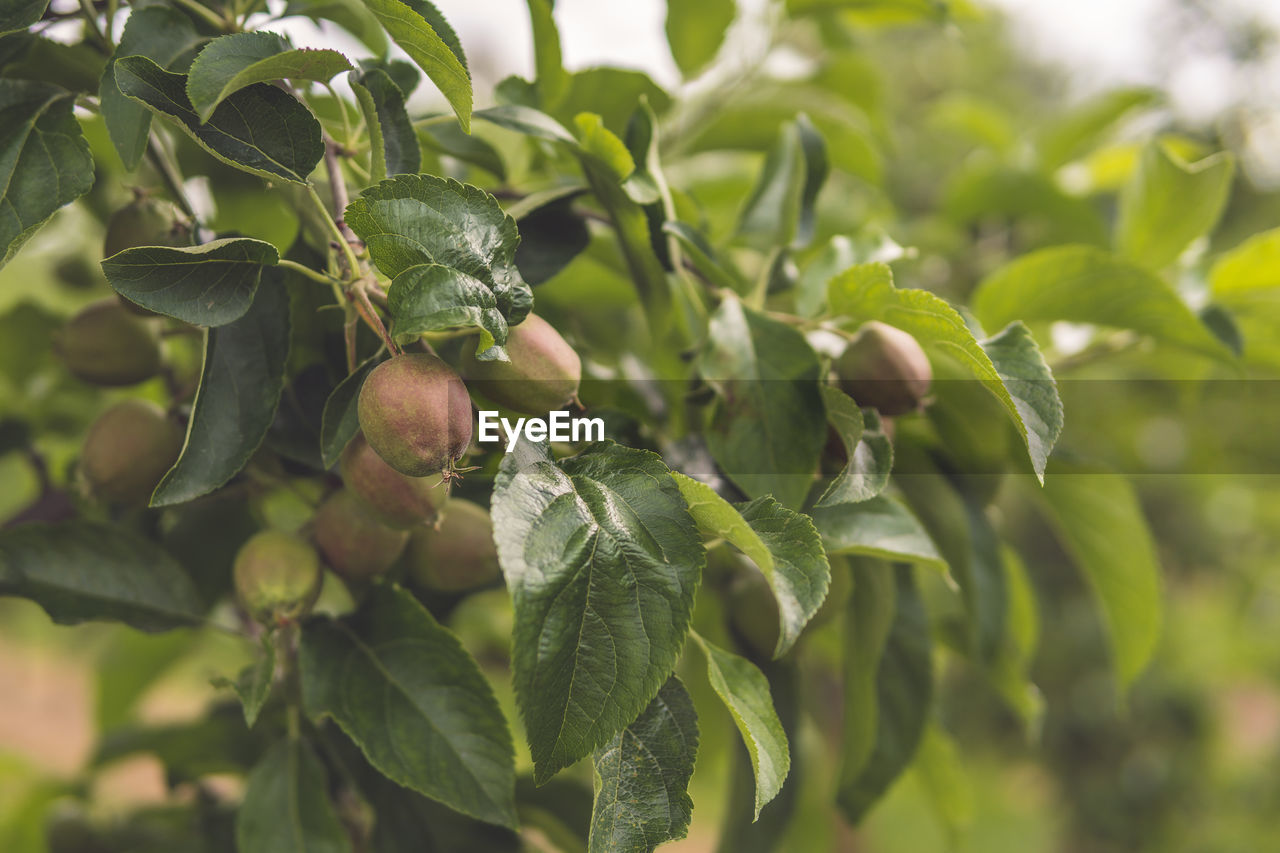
416	423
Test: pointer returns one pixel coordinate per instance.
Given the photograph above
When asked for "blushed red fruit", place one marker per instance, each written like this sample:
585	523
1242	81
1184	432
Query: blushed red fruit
277	577
397	500
415	413
352	540
885	368
127	450
457	554
543	373
104	344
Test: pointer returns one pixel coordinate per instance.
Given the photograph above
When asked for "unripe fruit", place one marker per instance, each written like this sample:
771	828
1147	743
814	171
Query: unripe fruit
277	577
106	345
415	413
128	449
397	500
145	222
352	540
458	553
885	368
542	375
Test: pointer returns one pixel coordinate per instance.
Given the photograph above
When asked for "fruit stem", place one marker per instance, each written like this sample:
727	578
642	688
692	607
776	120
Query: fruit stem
91	21
314	275
352	264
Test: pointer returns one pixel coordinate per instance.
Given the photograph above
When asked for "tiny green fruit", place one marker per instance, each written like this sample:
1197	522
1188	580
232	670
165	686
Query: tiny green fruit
885	368
104	344
543	374
146	221
415	413
277	577
457	554
127	450
355	544
397	500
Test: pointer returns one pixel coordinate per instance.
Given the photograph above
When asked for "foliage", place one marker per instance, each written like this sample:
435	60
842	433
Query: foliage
687	595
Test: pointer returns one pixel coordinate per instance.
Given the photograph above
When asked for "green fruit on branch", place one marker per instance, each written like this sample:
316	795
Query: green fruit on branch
104	344
146	221
128	449
415	413
397	500
355	544
457	553
885	368
543	373
277	577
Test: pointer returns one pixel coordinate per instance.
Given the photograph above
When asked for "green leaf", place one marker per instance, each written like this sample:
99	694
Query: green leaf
351	15
44	159
894	708
130	663
392	139
216	742
550	76
240	387
695	31
1099	520
745	692
880	527
870	451
253	685
339	422
602	561
782	543
528	121
1082	284
1168	203
866	292
449	139
17	15
612	94
1250	269
162	34
876	11
209	285
1075	131
780	211
232	62
642	777
260	129
418	27
603	145
286	805
80	571
938	767
450	251
701	254
404	689
767	428
552	234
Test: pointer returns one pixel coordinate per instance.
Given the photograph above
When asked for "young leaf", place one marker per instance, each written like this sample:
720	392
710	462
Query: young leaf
866	292
781	542
1073	132
903	690
404	689
162	34
44	159
391	135
528	121
240	387
1250	269
230	63
352	15
253	685
418	27
870	451
286	805
260	129
602	561
551	233
80	571
17	15
880	527
767	428
425	233
339	423
1100	522
209	285
642	777
549	70
448	139
1082	284
1169	203
745	692
695	31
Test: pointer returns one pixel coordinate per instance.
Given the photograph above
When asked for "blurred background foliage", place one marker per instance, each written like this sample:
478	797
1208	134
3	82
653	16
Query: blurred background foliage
954	149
